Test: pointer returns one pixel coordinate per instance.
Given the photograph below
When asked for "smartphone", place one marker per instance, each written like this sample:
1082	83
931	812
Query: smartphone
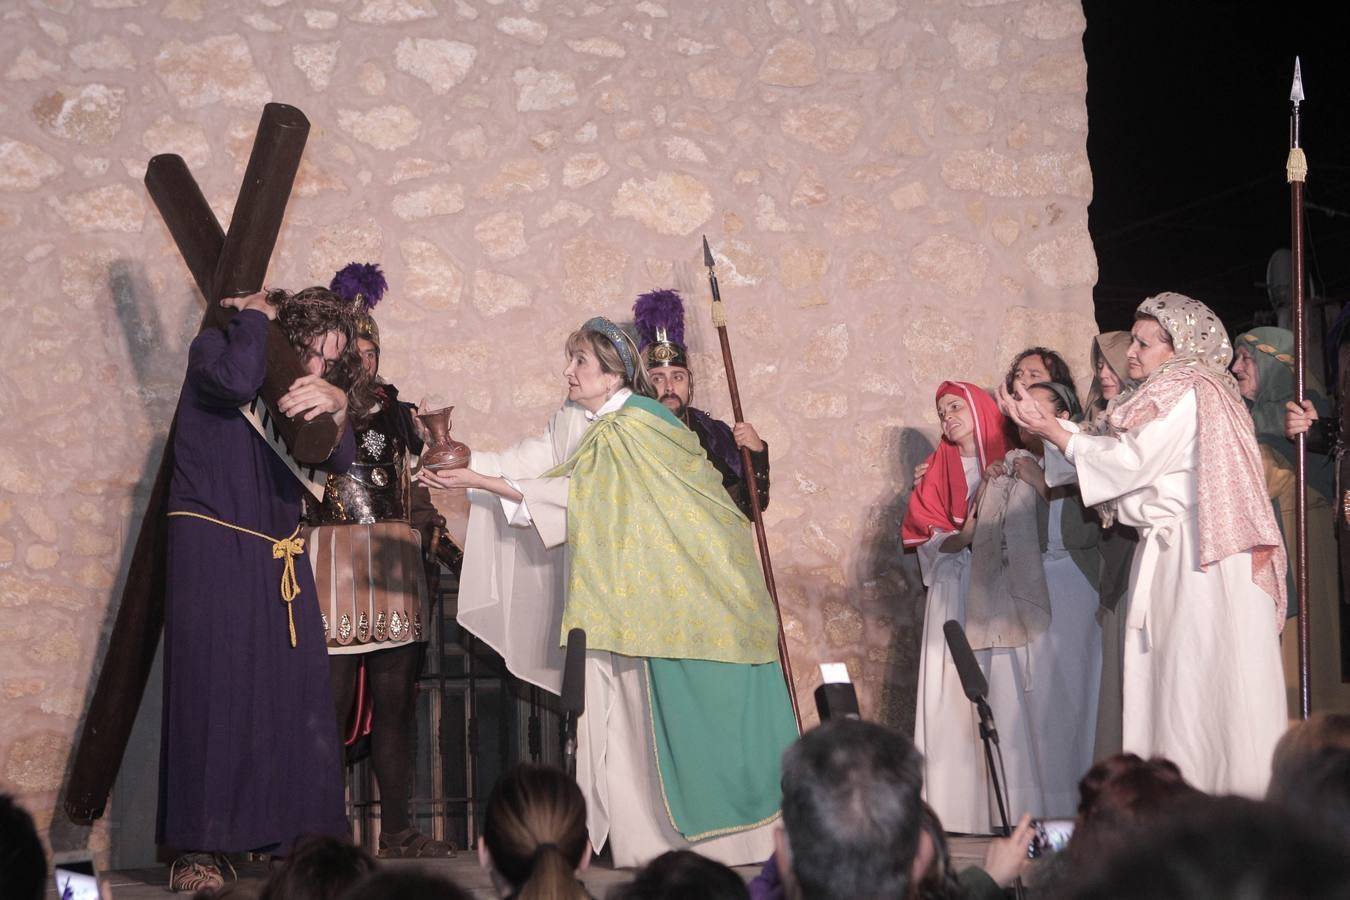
76	877
1049	836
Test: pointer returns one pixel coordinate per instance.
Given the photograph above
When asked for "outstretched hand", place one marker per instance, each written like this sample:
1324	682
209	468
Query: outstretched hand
450	479
459	479
1006	858
1026	413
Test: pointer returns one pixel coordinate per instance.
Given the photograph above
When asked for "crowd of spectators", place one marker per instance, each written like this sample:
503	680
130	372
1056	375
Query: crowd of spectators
854	825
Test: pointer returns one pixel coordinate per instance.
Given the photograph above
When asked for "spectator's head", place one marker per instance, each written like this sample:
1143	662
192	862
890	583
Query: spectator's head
1219	848
23	863
534	833
1318	792
938	881
319	868
386	884
1120	794
683	875
1303	741
851	812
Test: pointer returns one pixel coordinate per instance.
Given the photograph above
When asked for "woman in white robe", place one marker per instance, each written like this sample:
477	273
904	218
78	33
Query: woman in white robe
512	596
939	526
1202	680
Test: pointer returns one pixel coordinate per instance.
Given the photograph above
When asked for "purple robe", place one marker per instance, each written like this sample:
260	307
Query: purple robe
249	755
719	442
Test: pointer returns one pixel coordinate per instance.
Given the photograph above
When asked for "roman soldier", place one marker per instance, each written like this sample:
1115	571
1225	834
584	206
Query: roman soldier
659	316
372	582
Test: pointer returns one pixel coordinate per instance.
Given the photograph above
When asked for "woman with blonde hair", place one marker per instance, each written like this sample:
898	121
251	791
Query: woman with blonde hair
534	835
616	523
1206	601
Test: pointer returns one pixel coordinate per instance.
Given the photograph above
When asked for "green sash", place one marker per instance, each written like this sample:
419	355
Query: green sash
663	563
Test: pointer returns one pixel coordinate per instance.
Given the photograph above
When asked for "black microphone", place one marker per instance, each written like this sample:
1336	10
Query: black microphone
574	673
967	669
573	695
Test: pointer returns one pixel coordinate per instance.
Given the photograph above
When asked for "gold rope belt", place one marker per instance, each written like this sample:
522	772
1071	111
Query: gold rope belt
286	549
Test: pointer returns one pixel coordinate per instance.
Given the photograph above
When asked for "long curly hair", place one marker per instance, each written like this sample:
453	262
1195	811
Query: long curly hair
313	312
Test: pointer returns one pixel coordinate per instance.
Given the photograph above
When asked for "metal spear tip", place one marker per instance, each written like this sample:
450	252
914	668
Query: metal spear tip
1296	92
707	253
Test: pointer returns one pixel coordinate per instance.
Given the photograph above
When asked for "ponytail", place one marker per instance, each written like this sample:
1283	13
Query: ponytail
534	828
552	877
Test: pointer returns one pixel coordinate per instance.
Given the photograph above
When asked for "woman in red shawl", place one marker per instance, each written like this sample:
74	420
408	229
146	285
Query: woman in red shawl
939	524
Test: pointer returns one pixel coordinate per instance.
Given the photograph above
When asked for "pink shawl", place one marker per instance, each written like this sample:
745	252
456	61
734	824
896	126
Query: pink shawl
1234	514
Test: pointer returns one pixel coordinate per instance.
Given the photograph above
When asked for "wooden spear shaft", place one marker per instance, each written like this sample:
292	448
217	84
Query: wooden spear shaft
719	318
1297	173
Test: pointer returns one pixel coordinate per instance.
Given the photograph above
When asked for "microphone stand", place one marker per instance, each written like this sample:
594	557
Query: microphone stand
998	777
570	742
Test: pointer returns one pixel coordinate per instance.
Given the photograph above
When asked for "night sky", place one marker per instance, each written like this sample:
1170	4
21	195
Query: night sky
1188	129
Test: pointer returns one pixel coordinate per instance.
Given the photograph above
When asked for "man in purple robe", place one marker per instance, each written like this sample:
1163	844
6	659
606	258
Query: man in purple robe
249	757
659	316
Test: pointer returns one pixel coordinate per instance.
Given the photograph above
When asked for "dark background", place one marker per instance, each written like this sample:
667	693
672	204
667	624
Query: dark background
1188	133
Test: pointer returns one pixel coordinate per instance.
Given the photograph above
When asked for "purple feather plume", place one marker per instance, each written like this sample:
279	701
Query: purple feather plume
364	280
658	310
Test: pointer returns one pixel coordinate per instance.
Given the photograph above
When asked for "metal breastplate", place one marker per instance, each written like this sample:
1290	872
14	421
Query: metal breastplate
375	489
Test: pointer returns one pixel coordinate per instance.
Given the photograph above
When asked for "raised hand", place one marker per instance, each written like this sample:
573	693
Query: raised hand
310	396
256	301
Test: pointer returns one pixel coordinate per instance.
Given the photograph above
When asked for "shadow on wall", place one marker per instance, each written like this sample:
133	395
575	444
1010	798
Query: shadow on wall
892	575
136	310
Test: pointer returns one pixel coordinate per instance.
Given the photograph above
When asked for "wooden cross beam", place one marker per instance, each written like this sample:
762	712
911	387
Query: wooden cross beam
223	264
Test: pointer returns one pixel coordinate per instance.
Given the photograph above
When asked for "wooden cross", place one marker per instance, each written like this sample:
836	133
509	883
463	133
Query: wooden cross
223	264
229	264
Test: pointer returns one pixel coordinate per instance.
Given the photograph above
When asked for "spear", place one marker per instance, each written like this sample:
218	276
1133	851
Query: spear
1296	171
719	318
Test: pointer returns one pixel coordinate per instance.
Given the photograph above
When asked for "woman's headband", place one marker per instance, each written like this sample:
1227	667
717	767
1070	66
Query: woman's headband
616	336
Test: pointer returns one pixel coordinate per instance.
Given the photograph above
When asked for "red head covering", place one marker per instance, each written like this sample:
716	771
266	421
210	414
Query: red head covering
939	502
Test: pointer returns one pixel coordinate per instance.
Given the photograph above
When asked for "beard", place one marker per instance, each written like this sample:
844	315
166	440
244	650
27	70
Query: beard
676	405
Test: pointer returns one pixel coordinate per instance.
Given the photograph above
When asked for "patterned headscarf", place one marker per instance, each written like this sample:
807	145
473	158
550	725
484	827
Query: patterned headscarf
940	502
1233	516
1198	336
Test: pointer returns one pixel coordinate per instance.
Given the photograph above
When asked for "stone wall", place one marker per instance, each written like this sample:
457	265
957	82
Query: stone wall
896	194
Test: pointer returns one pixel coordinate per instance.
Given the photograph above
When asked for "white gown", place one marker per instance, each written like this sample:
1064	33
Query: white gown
946	727
1043	695
1065	677
1203	683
